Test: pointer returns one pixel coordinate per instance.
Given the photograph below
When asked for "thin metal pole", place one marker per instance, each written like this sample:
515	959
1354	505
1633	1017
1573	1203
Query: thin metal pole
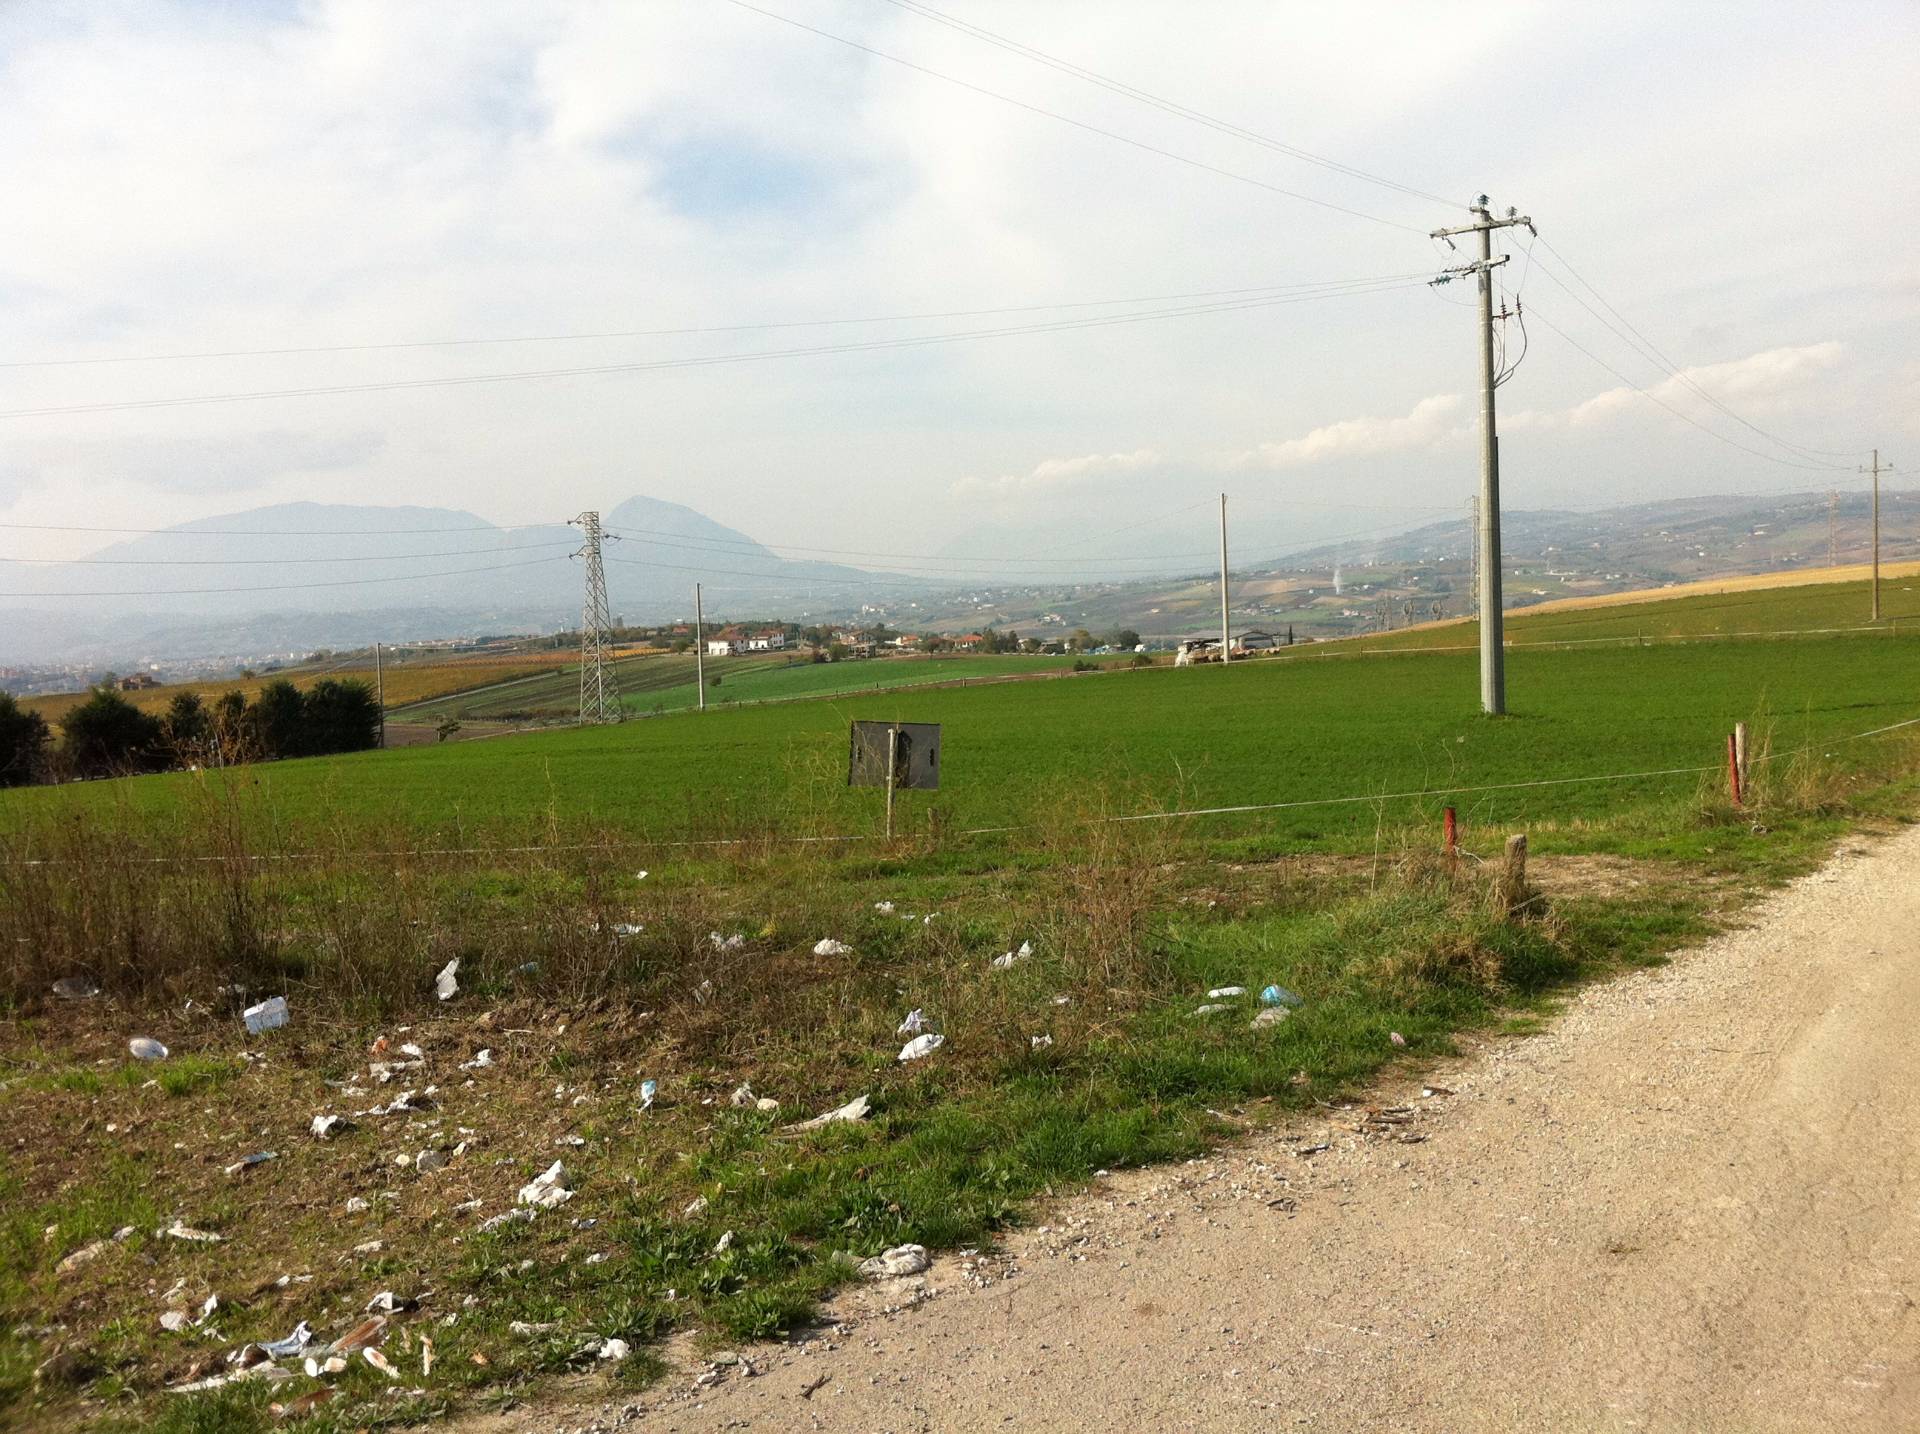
893	755
1493	670
1876	535
380	690
1226	637
699	650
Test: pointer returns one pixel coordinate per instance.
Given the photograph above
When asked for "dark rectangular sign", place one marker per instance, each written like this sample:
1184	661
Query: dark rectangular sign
916	755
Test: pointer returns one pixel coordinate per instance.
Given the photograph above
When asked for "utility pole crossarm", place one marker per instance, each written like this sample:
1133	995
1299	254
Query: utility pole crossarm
1487	222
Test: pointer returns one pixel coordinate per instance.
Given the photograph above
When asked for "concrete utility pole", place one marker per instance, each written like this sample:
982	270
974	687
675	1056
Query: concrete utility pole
1833	528
1876	470
699	649
1226	641
380	692
1493	672
599	687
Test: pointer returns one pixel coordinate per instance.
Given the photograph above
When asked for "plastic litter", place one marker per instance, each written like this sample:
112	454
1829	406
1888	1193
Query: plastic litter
885	908
179	1231
357	1205
481	1060
920	1046
293	1344
332	1364
640	876
1272	1016
742	1096
695	1207
827	946
900	1261
855	1109
547	1189
628	928
1211	1008
325	1127
1278	996
1397	1038
1221	993
145	1048
723	1244
75	988
174	1321
726	943
259	1157
648	1090
368	1332
914	1024
380	1362
426	1355
412	1049
1002	963
510	1217
387	1302
528	1328
1040	1043
615	1350
446	985
269	1015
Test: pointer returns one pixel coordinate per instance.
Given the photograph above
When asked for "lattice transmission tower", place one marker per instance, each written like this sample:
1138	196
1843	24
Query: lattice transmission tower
599	687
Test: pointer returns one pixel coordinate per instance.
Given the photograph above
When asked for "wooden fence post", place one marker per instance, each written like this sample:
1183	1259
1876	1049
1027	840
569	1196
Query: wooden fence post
1513	877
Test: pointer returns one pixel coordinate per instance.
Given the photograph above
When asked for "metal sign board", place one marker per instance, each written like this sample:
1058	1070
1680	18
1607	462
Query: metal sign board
916	755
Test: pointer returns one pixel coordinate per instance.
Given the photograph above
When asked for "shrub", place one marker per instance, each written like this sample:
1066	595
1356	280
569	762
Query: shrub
107	735
23	743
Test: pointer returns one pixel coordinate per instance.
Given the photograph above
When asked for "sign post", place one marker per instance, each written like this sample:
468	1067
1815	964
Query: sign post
894	755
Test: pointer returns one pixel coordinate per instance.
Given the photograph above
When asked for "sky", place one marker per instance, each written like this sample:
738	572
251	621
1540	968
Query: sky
1736	182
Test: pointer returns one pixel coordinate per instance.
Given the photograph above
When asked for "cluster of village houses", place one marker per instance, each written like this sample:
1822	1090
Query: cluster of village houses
733	641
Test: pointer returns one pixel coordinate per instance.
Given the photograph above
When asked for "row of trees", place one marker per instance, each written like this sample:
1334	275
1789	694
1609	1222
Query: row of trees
106	735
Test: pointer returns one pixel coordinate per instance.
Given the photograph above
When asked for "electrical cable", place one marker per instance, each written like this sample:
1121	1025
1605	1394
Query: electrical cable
1132	92
1357	288
275	562
1077	124
288	587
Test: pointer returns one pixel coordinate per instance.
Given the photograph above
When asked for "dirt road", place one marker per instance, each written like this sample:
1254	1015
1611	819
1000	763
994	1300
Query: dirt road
1694	1204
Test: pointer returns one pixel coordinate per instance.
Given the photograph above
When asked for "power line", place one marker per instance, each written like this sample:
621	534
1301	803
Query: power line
1644	346
647	333
287	587
1677	413
270	532
273	562
1353	288
980	32
1077	124
689	543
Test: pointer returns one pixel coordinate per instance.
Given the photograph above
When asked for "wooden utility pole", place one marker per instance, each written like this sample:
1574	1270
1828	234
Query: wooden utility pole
380	692
699	651
1226	638
1493	672
1876	470
1833	528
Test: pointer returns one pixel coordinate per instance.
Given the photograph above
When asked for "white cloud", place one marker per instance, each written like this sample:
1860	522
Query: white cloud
1055	473
1432	420
1755	385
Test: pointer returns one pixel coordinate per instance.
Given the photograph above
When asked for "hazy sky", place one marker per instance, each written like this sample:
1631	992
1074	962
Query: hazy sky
1739	180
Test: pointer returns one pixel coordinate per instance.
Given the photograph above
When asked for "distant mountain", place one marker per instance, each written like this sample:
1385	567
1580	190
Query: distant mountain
301	575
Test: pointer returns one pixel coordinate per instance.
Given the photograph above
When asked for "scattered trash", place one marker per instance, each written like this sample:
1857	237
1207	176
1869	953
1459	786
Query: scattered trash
742	1096
426	1356
380	1362
481	1060
1396	1038
411	1048
723	1244
174	1321
387	1302
1041	1042
920	1046
208	1308
145	1048
1063	1000
901	1260
369	1247
1278	996
885	908
325	1127
293	1344
1432	1090
1272	1016
510	1217
628	928
1307	1150
86	1254
303	1406
1001	963
269	1015
428	1161
356	1205
75	988
914	1024
446	985
332	1364
547	1189
364	1335
648	1090
726	943
855	1109
1219	993
827	946
615	1350
695	1207
248	1162
526	1329
640	876
178	1231
1209	1009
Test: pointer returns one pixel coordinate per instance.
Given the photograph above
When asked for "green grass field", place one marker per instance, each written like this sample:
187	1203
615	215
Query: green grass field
1271	731
665	683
